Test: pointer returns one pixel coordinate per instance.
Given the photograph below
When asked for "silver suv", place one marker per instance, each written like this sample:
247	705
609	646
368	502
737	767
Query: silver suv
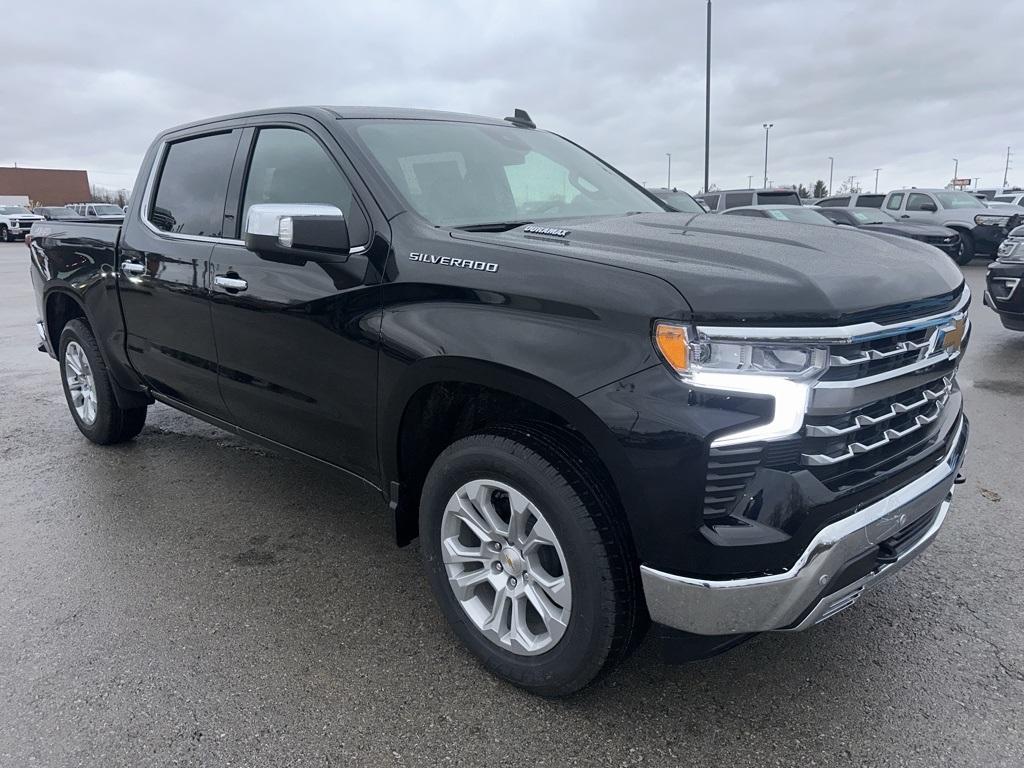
981	228
724	199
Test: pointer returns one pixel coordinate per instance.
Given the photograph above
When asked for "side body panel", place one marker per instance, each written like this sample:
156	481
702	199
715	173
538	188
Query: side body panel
79	260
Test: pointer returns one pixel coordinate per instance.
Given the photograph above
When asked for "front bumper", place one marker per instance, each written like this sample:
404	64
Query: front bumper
1004	293
806	594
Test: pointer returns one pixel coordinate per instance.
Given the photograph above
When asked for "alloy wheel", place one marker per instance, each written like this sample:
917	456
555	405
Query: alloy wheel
506	567
80	381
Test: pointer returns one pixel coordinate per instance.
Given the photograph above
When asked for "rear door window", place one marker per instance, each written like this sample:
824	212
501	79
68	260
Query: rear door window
895	201
193	184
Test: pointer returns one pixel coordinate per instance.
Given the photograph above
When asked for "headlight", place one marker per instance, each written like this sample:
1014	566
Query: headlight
1011	252
990	221
783	372
690	352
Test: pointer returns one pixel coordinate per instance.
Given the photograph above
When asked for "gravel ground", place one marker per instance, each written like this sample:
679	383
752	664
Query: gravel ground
189	599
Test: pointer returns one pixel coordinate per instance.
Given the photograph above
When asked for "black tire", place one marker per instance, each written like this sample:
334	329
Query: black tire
966	254
5	234
111	424
608	615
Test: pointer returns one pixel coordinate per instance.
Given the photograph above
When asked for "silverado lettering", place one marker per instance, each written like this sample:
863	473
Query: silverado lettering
447	261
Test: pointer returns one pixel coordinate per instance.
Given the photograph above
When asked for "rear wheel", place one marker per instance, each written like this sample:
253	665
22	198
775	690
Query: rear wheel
90	392
529	562
966	252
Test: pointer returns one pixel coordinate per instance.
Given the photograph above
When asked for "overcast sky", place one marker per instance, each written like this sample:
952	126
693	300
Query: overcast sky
905	85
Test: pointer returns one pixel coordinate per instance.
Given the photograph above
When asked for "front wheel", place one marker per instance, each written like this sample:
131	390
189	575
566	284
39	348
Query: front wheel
90	392
966	252
529	561
5	234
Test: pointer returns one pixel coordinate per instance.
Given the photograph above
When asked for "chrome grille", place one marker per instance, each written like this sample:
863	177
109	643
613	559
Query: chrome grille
866	358
878	424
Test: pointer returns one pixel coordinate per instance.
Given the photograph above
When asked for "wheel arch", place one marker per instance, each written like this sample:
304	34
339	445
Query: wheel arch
453	382
61	305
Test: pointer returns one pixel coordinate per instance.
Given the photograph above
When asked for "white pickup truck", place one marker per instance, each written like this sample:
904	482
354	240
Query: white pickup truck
981	228
16	221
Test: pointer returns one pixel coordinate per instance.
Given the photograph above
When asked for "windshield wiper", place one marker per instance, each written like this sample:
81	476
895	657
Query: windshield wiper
494	226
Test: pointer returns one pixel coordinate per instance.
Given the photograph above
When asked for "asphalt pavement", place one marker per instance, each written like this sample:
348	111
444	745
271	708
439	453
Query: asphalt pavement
190	599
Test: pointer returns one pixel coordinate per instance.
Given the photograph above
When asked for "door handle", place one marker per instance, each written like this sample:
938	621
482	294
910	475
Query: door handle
230	283
131	268
904	216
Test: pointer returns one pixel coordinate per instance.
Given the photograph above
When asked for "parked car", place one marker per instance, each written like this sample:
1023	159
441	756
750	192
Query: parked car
56	212
721	200
1003	292
15	222
854	200
604	413
795	213
1010	198
102	211
873	220
981	228
677	200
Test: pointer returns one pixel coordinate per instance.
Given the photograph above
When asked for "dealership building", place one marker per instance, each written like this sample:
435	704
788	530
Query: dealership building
45	186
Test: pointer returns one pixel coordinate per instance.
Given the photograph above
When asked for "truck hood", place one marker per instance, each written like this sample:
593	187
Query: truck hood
734	268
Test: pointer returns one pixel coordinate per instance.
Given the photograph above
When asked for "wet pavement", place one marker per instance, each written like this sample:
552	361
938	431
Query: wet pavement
190	599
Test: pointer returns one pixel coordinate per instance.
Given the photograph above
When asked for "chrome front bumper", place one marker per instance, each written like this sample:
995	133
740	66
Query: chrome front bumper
792	600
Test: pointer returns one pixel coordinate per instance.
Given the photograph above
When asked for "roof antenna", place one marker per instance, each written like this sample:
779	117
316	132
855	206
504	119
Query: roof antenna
521	119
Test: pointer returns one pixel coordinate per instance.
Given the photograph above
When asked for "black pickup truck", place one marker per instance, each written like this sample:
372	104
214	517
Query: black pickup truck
594	413
1002	282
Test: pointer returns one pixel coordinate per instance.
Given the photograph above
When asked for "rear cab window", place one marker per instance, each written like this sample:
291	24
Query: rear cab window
737	199
711	201
834	202
870	201
778	198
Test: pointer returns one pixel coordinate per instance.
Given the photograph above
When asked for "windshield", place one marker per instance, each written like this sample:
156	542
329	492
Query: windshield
9	209
466	174
958	200
108	210
798	214
680	201
871	216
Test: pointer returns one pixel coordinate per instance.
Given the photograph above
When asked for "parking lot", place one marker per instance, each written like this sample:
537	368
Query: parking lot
189	599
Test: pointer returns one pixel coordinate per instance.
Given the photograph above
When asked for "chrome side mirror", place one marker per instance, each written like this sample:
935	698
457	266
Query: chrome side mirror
305	230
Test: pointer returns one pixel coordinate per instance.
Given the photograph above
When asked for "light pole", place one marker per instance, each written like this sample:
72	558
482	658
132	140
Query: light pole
767	127
750	181
831	163
707	105
876	179
669	156
956	167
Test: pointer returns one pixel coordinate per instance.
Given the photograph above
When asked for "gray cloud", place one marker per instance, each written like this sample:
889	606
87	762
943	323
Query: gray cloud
905	86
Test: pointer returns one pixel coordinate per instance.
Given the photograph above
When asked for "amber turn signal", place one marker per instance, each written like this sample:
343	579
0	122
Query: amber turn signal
672	343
